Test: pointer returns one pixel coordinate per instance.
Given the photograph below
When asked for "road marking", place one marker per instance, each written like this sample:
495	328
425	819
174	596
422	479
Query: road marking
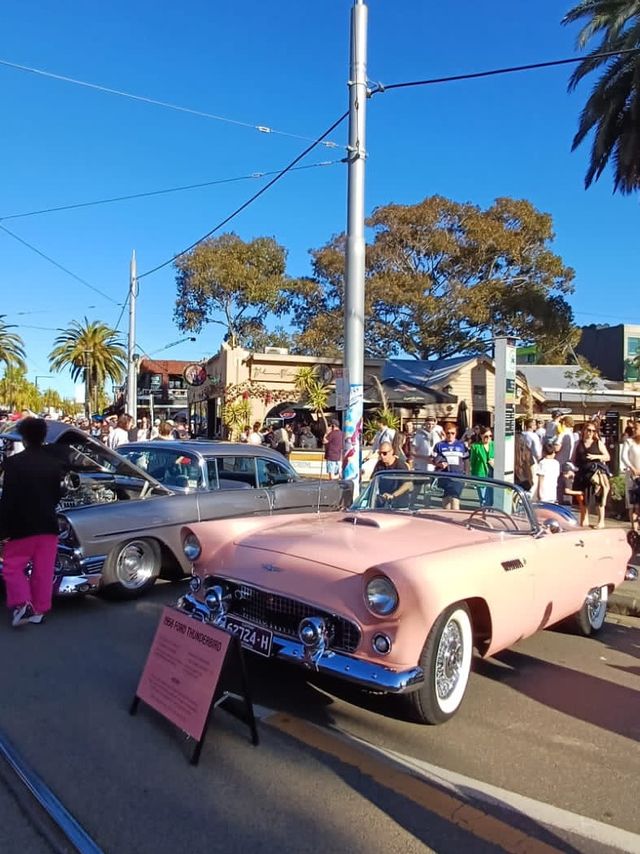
423	783
417	788
539	811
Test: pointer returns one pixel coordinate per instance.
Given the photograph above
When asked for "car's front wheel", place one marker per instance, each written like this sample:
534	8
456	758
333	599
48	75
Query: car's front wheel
446	662
131	569
590	618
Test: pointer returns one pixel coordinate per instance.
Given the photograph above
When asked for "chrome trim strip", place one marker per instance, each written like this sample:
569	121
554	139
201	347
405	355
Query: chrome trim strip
69	826
363	673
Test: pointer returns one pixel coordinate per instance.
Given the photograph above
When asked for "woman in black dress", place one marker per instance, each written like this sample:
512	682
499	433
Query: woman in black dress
592	477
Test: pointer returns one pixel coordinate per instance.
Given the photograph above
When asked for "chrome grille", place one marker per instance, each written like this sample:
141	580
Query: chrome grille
283	615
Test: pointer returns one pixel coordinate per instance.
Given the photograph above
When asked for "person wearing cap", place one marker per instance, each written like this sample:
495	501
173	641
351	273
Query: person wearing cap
333	442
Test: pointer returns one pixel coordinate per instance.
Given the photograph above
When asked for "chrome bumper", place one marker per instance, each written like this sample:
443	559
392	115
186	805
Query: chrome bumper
75	574
365	674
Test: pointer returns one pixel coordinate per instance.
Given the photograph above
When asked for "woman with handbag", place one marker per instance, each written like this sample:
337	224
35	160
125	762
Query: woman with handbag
592	477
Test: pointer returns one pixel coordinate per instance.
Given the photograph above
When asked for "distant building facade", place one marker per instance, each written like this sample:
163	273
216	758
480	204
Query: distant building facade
614	350
162	390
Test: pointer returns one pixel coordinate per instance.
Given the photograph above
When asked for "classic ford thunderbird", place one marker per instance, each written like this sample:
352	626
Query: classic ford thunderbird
395	593
120	521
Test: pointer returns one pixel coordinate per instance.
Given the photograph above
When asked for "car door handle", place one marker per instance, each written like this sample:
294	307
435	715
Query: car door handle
580	544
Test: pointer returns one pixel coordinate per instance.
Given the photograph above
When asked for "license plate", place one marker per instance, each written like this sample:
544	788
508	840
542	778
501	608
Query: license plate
251	637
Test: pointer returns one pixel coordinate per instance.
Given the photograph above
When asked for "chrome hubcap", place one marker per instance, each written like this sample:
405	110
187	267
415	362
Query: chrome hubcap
449	660
135	565
595	606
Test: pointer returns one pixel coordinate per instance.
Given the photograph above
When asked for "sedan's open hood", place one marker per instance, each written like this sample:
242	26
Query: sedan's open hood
356	541
84	453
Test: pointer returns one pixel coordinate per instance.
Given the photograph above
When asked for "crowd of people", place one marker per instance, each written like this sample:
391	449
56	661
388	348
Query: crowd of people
556	461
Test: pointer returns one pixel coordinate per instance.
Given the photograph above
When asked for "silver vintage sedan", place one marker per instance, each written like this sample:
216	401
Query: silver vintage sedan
121	518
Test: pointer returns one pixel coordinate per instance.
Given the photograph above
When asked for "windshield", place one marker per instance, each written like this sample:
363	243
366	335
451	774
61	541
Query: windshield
468	500
173	468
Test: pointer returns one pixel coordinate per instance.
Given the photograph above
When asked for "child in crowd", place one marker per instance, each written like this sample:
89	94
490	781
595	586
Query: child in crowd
547	473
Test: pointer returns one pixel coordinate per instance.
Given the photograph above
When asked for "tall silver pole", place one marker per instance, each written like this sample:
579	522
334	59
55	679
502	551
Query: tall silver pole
132	365
355	253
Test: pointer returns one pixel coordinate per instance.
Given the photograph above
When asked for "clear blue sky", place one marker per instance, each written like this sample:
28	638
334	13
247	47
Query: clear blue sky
282	65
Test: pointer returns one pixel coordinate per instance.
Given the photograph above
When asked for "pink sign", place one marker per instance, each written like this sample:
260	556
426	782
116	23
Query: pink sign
182	670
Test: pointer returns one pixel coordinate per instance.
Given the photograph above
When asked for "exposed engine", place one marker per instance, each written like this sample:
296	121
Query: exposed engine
88	494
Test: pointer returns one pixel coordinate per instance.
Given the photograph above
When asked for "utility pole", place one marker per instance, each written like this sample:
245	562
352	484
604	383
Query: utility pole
132	362
353	381
87	383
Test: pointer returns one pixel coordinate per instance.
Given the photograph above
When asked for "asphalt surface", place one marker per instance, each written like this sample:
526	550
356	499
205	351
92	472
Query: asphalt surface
556	719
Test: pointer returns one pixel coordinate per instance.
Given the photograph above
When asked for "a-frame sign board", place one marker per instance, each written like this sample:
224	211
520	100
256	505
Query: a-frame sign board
193	668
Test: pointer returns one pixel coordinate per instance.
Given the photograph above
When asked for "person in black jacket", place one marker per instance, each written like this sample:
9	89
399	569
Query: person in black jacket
31	490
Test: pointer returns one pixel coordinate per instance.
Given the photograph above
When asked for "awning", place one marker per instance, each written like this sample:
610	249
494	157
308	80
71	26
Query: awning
401	393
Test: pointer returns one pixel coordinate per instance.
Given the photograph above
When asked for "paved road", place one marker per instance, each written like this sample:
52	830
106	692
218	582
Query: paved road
555	720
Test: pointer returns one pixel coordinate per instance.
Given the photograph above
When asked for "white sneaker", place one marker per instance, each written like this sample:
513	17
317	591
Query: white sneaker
21	614
36	618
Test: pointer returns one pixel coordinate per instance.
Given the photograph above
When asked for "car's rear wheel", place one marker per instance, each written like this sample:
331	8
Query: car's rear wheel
446	662
131	569
590	618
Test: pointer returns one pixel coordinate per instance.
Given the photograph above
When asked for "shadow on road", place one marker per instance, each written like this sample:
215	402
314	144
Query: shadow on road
588	698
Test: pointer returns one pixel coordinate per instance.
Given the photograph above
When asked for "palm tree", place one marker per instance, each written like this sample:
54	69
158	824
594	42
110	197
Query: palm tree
313	391
613	108
11	347
91	350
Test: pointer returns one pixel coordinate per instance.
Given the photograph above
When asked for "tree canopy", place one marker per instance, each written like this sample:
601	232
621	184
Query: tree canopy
443	277
612	111
232	283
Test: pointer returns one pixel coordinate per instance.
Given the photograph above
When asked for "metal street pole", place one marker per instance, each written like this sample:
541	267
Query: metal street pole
132	363
353	381
87	383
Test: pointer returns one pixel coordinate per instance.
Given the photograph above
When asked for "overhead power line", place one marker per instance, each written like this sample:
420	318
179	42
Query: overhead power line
111	200
475	75
166	104
252	199
58	265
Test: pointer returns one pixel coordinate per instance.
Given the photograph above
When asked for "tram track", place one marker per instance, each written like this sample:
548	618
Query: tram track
51	823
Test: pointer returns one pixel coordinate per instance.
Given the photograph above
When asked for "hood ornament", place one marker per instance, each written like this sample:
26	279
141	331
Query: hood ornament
269	567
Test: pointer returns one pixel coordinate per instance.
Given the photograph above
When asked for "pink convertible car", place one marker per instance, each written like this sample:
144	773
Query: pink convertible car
394	594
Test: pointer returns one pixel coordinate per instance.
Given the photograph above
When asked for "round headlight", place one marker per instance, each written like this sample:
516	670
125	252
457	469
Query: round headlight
191	547
381	596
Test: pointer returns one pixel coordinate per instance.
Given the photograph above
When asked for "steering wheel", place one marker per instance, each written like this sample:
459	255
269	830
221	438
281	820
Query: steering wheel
484	514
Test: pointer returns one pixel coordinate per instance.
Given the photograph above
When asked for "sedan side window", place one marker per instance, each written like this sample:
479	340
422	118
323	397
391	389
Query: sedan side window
271	472
231	470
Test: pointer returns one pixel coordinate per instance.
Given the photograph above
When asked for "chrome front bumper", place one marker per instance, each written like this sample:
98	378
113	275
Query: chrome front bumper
75	574
365	674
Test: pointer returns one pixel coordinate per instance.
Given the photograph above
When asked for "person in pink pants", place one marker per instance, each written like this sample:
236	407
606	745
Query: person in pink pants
31	490
40	551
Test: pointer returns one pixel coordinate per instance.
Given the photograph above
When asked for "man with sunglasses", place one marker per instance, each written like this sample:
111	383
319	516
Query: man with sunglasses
451	455
391	488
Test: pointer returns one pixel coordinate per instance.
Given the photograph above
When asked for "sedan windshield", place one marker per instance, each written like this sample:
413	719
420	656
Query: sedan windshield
456	498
